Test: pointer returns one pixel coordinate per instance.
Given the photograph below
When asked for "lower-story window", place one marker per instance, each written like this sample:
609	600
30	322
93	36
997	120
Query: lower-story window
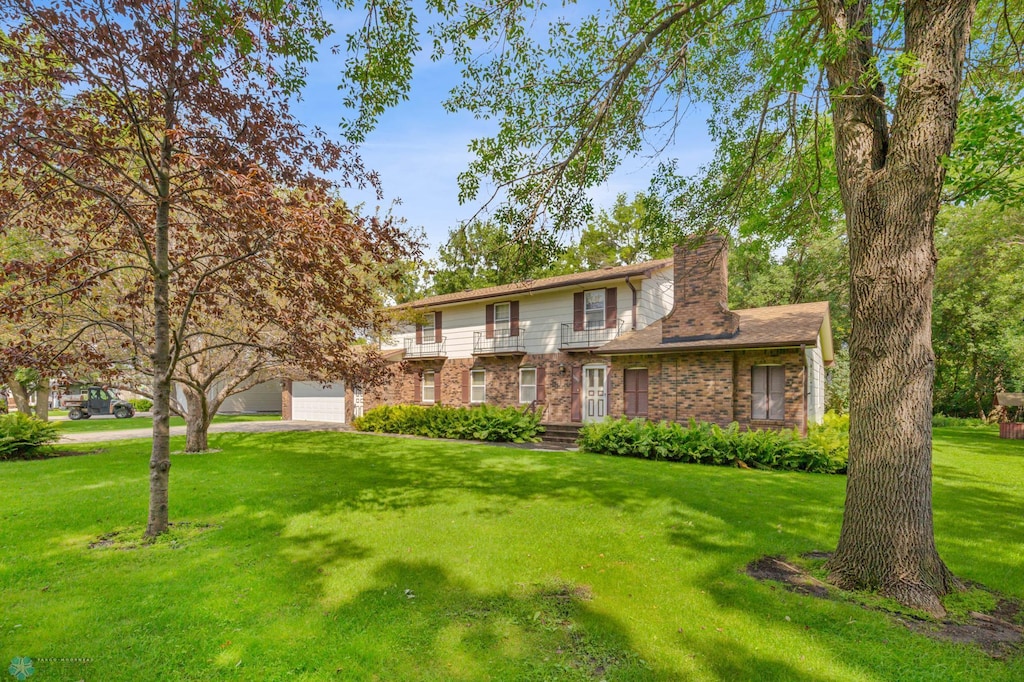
477	391
527	384
768	392
428	387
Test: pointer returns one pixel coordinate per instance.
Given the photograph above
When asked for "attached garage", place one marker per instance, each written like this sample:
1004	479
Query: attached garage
314	402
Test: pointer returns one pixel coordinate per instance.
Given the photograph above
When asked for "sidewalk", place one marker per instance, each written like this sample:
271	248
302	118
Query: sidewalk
239	427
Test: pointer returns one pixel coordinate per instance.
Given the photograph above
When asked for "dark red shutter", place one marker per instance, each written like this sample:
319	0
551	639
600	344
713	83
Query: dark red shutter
513	314
542	394
465	386
611	312
577	311
776	392
759	392
437	327
629	381
641	392
419	334
489	320
576	409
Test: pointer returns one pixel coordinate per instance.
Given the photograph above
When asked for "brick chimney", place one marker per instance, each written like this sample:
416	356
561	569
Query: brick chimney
700	309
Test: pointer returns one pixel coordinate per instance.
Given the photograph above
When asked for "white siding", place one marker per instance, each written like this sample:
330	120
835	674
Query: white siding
313	402
542	314
815	385
655	298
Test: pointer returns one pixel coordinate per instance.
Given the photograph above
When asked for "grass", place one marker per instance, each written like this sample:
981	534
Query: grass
337	556
96	424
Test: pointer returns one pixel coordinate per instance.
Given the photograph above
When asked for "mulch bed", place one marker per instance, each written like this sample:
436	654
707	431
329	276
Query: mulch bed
996	633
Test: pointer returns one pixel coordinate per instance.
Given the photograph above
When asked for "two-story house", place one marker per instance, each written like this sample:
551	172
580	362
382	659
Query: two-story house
653	340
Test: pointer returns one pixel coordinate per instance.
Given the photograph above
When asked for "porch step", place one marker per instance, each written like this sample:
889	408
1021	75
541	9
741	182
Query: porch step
562	434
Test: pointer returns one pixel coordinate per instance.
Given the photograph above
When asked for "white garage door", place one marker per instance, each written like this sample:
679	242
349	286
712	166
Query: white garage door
316	403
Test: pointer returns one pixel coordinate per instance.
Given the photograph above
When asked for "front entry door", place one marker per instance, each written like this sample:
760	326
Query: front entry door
594	400
357	402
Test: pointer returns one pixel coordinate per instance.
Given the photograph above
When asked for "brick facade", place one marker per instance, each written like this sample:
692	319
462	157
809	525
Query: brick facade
709	386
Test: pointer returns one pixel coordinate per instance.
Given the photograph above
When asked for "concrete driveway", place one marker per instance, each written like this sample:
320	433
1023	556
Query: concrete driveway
240	427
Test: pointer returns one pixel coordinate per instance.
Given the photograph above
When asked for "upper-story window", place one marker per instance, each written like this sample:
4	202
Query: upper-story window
429	326
593	309
502	319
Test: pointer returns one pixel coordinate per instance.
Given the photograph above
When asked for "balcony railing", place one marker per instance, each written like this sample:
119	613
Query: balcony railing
501	343
585	339
425	350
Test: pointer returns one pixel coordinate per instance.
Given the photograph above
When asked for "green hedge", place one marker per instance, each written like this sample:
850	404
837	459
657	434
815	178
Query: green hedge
825	449
141	404
21	435
502	424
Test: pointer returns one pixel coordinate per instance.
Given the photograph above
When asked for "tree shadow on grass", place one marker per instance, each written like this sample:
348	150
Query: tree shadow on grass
414	621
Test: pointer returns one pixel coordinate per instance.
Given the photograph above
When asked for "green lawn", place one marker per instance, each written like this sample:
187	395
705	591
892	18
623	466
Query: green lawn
93	424
520	565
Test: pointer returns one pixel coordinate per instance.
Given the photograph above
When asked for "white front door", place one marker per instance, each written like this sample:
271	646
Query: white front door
595	405
357	402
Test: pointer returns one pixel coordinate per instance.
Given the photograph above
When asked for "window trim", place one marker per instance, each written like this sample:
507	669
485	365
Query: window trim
473	386
767	418
506	324
433	387
587	310
523	385
428	333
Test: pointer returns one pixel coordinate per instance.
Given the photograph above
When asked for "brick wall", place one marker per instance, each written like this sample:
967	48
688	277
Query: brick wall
700	304
710	386
792	360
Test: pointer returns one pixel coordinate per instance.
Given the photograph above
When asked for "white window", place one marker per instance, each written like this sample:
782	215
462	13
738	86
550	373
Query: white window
527	385
768	392
502	319
593	308
477	386
428	327
428	387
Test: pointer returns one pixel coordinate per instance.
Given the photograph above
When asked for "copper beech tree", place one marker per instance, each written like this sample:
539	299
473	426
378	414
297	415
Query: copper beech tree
151	146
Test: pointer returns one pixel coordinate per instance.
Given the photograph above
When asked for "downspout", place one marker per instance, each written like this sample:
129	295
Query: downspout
633	289
803	352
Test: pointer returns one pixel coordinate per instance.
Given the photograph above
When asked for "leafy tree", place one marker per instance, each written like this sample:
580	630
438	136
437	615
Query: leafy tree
481	254
623	235
151	145
891	75
978	329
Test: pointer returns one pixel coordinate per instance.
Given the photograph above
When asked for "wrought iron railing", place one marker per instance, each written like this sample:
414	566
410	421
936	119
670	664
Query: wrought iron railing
573	338
430	349
500	342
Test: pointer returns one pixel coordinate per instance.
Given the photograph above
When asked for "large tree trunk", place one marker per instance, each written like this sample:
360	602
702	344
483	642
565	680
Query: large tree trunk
197	421
43	400
891	188
19	393
160	457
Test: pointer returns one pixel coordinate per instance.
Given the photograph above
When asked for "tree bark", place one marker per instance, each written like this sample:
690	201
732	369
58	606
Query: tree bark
19	393
891	191
160	457
197	421
43	400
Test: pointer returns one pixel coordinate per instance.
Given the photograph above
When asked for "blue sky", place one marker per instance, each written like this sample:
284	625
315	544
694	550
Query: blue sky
419	149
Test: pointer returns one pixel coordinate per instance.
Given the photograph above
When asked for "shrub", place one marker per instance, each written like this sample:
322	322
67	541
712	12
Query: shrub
141	404
485	422
942	420
704	443
21	435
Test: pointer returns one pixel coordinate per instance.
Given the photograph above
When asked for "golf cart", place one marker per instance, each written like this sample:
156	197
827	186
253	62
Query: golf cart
97	400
